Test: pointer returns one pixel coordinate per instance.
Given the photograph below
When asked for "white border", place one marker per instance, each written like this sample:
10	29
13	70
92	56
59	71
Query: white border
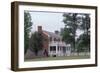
23	64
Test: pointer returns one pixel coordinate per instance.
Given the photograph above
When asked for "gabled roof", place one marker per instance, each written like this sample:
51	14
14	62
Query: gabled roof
51	34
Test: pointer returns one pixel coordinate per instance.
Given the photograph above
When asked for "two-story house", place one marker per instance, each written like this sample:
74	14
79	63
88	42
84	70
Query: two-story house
53	45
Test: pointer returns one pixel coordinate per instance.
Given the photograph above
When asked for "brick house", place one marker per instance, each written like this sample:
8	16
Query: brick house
53	44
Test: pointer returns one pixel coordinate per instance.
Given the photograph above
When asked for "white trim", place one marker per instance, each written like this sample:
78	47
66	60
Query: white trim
59	52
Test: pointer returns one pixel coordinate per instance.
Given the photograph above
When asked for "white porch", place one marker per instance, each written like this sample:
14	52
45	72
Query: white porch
59	49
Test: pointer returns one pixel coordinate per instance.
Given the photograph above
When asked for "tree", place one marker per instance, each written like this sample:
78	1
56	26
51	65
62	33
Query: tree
70	20
85	26
66	35
84	39
83	44
27	29
36	42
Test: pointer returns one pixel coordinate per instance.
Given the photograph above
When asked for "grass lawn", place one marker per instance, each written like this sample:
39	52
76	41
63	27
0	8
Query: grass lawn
58	58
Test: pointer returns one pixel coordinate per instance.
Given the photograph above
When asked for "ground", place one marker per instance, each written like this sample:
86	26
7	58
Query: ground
58	58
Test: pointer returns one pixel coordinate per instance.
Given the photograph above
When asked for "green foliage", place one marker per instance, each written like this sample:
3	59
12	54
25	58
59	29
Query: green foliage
27	29
84	39
74	22
70	20
66	36
36	42
85	22
83	43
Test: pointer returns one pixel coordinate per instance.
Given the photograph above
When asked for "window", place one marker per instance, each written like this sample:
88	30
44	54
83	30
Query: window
55	39
64	49
52	48
50	38
58	48
58	39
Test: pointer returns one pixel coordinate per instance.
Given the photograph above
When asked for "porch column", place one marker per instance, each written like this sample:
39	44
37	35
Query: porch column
49	50
61	50
56	49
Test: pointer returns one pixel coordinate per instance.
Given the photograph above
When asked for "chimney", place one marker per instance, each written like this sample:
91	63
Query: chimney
57	32
39	28
62	30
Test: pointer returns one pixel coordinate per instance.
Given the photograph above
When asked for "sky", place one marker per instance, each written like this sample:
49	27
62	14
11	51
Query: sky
49	21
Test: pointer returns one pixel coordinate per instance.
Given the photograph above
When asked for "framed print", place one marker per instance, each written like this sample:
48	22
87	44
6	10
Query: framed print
52	36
